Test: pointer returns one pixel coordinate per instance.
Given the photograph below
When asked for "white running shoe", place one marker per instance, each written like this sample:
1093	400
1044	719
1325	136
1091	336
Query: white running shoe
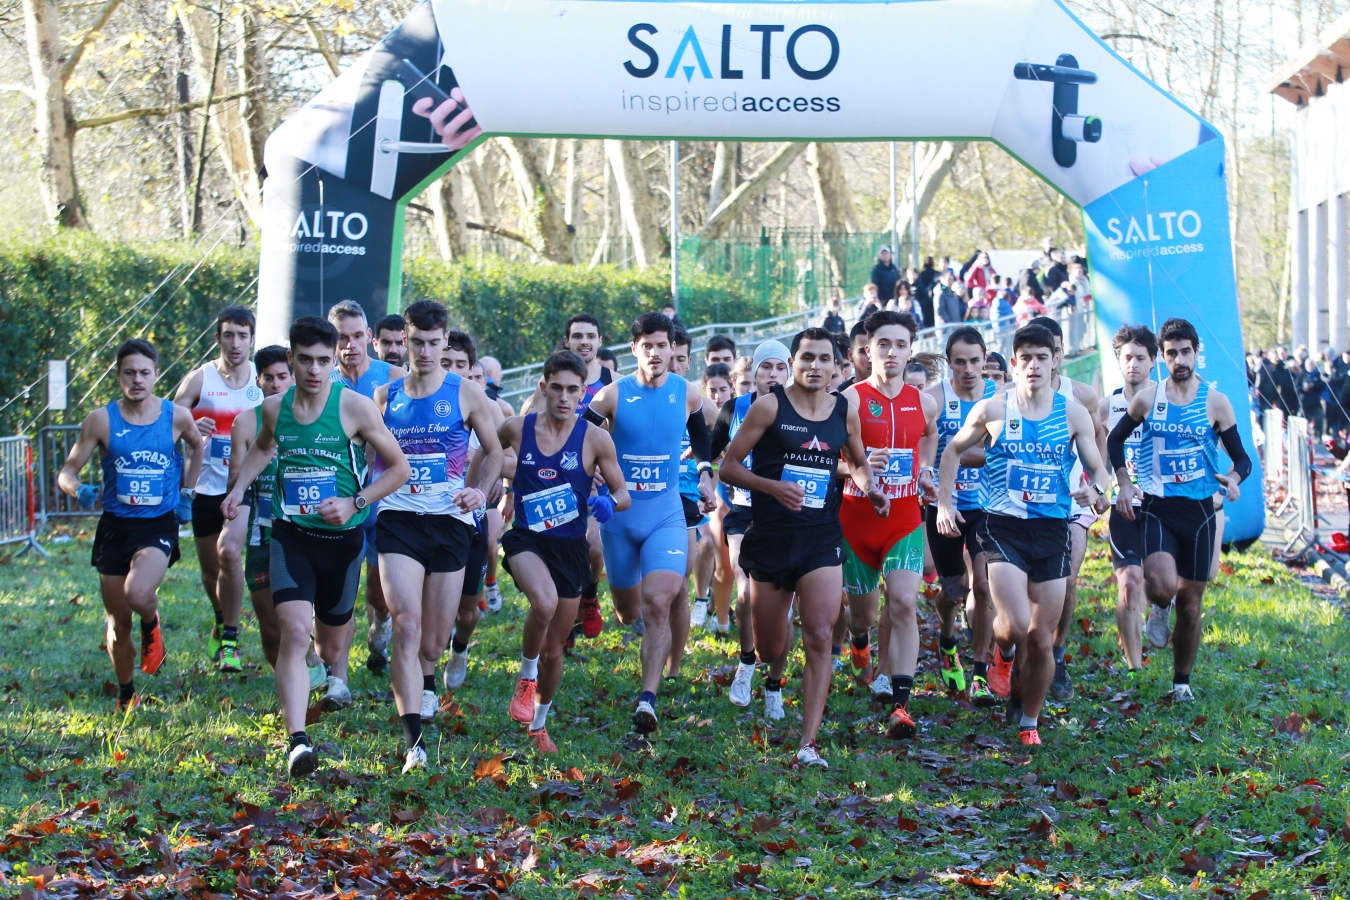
430	703
881	687
494	598
300	761
810	756
644	718
380	634
338	695
773	706
415	758
698	614
456	669
1181	693
1156	628
739	695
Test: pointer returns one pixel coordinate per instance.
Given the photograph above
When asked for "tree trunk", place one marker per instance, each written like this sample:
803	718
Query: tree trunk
723	174
934	163
189	211
446	219
541	209
834	206
637	204
725	214
54	121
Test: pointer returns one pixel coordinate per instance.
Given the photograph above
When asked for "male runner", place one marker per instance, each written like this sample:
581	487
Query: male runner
769	367
390	340
719	349
646	545
700	541
216	393
557	457
1027	494
321	433
1179	471
793	543
717	388
358	371
956	397
899	436
427	525
1137	352
137	536
1061	686
857	354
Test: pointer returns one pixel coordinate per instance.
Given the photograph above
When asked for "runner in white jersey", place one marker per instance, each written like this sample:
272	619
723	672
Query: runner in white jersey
216	393
1061	687
1137	351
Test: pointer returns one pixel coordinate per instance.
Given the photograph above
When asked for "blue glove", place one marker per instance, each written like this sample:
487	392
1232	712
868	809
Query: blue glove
87	496
602	489
602	507
184	511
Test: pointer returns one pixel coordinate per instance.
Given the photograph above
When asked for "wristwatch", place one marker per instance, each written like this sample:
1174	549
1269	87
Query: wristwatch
360	502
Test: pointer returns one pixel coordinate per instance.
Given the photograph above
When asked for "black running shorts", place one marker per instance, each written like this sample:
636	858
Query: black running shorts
118	539
438	543
949	554
318	567
782	557
568	560
1039	547
1183	529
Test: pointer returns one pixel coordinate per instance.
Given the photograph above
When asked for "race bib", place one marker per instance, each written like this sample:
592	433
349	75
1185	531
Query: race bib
220	447
428	474
140	487
263	516
1181	466
899	469
815	484
646	474
1033	483
967	479
302	490
547	509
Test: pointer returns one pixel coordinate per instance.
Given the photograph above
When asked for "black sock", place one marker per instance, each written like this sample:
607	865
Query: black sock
748	659
1181	679
591	590
412	728
860	643
126	691
220	618
981	669
229	633
946	643
296	739
429	683
773	684
1058	654
459	646
900	687
1005	657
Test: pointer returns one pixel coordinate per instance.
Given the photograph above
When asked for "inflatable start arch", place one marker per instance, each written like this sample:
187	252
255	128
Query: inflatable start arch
1147	172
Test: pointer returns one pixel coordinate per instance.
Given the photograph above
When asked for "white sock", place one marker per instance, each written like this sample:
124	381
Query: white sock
540	715
1028	722
529	668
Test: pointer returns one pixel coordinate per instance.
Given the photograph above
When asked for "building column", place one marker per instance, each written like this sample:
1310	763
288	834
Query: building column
1317	279
1338	282
1298	278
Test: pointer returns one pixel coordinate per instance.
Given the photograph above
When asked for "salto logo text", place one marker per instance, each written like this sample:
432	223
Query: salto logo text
811	51
330	225
1161	226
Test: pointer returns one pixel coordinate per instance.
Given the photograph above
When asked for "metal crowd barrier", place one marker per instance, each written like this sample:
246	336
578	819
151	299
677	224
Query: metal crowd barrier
53	446
1273	451
18	510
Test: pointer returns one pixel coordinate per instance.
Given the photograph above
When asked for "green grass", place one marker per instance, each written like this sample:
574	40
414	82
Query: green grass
1243	792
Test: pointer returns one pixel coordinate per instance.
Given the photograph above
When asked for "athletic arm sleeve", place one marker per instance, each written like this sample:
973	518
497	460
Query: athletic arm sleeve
1232	442
699	440
593	417
1115	441
721	433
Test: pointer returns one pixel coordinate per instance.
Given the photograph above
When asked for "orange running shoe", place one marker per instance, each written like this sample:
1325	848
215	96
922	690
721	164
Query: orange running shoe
900	725
152	649
522	701
1000	675
1030	737
862	661
542	742
592	622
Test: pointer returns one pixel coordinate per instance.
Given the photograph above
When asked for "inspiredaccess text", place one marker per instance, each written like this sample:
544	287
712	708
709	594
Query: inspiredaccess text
733	102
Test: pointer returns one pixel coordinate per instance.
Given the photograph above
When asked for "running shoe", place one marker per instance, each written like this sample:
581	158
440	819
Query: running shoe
318	674
494	598
837	663
638	628
773	706
521	707
900	725
1156	628
300	761
1029	737
932	589
810	756
1000	675
415	758
739	695
430	703
862	662
213	645
644	718
152	649
127	705
378	638
953	676
881	688
229	657
1182	693
592	621
542	742
338	695
456	669
698	614
1061	685
980	695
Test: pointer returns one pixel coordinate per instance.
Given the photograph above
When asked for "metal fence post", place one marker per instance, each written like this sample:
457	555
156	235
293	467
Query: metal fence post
18	509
